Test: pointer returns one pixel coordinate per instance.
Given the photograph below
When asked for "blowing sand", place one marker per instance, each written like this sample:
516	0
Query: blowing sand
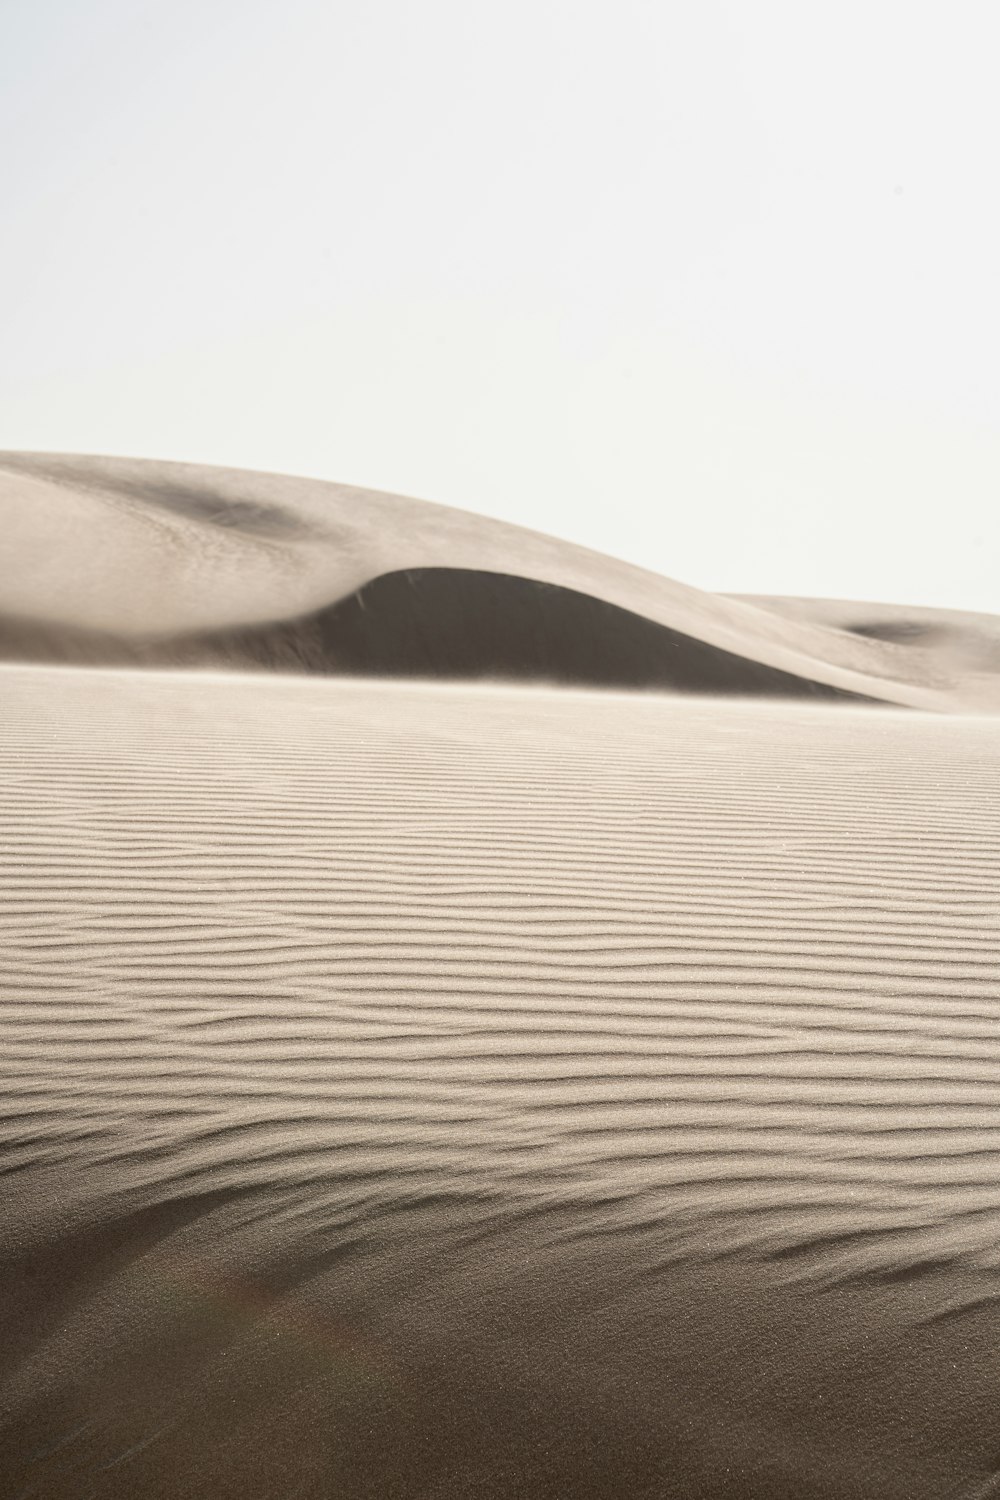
120	561
466	1091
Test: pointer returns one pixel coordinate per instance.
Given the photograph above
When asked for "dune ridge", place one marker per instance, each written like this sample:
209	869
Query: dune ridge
470	1091
435	623
157	552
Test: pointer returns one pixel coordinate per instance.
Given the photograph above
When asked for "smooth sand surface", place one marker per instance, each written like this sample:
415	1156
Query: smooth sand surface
114	561
465	1091
966	645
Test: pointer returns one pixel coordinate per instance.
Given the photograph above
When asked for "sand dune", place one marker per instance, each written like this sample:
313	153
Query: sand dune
442	622
965	645
428	1091
463	1091
174	564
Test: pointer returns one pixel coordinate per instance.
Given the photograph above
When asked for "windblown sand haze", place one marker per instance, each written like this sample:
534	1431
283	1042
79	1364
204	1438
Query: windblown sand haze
482	1020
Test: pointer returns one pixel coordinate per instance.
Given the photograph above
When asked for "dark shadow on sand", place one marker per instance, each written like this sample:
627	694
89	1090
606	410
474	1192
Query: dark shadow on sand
443	623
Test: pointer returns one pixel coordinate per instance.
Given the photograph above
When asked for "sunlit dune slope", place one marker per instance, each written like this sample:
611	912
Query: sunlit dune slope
173	564
439	1090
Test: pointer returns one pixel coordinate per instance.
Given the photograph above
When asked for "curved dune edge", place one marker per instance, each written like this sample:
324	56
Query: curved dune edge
965	643
440	623
160	549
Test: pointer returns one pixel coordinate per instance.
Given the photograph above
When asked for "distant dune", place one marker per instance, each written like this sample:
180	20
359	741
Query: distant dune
962	643
460	1090
179	565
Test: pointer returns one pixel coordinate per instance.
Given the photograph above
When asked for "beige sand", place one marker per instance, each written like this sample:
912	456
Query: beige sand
425	1091
150	553
486	1092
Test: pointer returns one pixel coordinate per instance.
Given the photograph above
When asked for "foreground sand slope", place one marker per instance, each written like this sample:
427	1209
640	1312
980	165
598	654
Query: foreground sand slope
154	552
469	1092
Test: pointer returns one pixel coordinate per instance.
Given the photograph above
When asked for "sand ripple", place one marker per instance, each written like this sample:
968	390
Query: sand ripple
469	1091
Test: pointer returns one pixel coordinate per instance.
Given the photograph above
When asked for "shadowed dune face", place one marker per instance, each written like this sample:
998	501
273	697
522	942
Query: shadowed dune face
431	1091
960	640
239	515
180	564
441	621
444	622
141	483
902	632
970	647
455	1092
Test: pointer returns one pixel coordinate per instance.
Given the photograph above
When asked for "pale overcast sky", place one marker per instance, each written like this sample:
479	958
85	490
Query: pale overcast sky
711	286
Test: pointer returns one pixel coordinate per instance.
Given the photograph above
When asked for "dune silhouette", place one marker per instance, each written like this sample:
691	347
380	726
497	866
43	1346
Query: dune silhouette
172	564
962	642
421	1079
442	623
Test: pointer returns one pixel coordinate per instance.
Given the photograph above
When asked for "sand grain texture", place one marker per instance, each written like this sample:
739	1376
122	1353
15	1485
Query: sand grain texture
473	1092
463	1090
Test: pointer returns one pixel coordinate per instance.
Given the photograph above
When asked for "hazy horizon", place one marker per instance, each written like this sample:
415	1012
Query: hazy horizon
710	290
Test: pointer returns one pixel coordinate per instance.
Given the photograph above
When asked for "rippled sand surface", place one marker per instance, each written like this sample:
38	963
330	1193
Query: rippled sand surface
413	1091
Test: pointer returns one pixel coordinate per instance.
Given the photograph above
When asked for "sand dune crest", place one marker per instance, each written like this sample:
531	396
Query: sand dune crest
442	1090
157	558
